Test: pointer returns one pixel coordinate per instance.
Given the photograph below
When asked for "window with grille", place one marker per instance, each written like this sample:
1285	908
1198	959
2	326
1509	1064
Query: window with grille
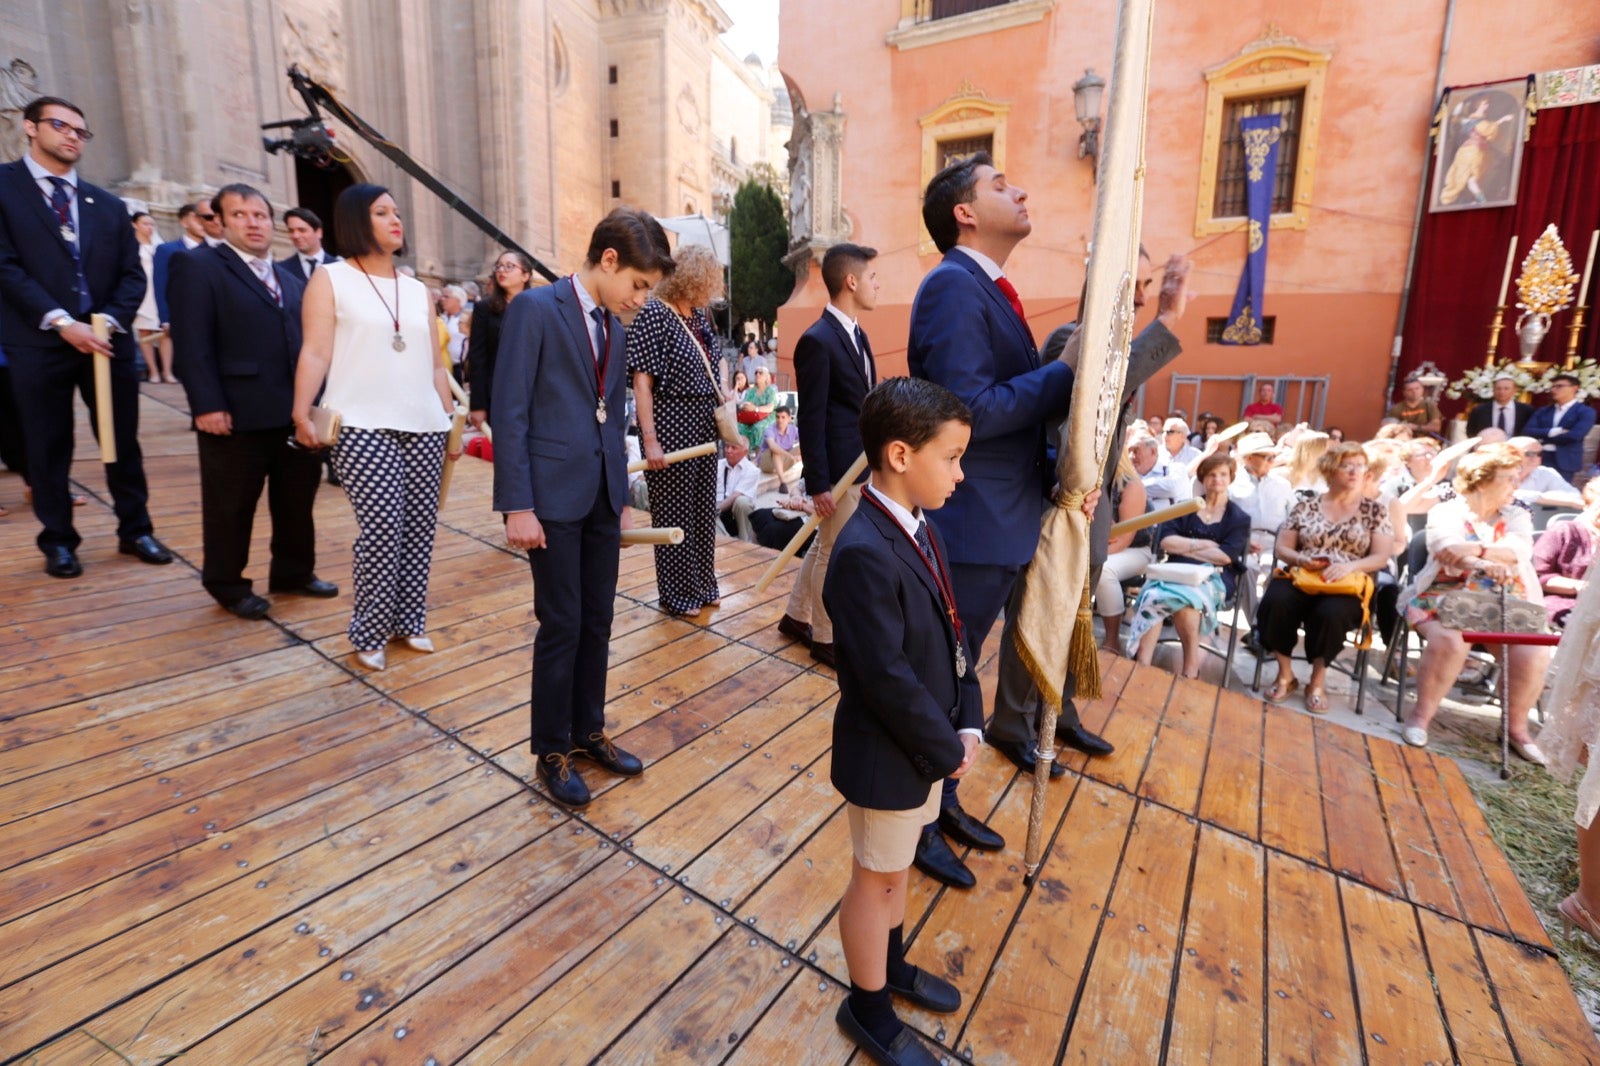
943	9
1230	191
1215	326
954	150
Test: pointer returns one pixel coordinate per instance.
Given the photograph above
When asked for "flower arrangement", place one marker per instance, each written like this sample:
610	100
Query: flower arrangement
1479	381
1587	372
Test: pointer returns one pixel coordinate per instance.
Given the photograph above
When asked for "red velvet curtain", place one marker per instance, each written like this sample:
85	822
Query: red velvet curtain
1461	254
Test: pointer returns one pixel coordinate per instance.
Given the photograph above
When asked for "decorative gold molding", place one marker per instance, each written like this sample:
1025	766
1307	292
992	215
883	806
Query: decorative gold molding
968	112
916	30
1270	66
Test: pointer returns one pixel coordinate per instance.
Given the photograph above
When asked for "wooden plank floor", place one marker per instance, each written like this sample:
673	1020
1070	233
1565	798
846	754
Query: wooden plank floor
222	840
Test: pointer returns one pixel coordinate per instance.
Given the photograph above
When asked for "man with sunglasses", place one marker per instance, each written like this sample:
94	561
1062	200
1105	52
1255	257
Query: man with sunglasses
67	252
196	219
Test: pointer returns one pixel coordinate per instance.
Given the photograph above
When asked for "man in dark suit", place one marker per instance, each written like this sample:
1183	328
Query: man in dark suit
560	478
969	333
833	369
1014	730
193	218
1503	412
66	252
236	341
1562	427
305	233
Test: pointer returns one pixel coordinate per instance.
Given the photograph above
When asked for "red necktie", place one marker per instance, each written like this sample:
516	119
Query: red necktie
1010	291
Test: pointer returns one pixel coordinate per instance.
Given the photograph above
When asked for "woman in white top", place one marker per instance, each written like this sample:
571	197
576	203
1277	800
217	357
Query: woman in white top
369	335
146	323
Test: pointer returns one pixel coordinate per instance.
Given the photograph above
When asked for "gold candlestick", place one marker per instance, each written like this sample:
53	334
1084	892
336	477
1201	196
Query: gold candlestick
1495	327
1574	330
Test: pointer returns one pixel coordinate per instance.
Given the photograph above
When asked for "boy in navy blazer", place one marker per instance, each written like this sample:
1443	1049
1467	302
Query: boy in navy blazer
905	721
1562	427
560	479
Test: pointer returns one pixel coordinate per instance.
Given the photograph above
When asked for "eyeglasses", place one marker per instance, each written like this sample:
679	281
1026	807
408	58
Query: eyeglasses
66	127
206	218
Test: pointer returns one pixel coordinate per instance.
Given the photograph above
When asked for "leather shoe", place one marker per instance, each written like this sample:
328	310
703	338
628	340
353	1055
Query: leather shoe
798	630
935	859
600	749
250	607
823	653
62	562
147	548
1026	755
322	590
561	778
929	992
904	1050
963	828
1080	739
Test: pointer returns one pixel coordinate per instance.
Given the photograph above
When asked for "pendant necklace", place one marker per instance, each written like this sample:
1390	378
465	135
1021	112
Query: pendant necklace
399	342
941	580
600	362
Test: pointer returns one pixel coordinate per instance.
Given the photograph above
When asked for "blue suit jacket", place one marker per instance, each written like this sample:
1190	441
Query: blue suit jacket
233	347
832	380
550	453
161	274
966	337
900	703
1564	451
37	272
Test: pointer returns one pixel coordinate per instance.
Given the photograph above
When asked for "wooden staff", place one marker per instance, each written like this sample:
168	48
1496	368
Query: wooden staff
708	448
798	540
102	392
653	535
1155	518
458	425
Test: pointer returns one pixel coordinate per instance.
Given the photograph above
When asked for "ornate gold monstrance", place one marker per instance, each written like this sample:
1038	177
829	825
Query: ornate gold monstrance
1543	288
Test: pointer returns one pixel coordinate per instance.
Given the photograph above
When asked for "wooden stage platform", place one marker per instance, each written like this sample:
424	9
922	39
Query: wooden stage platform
224	841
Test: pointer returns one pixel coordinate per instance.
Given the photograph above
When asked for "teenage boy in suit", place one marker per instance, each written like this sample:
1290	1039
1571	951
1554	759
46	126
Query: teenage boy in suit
905	721
833	369
236	338
1562	427
560	479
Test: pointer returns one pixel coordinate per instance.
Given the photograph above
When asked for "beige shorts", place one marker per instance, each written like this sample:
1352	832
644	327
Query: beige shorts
886	841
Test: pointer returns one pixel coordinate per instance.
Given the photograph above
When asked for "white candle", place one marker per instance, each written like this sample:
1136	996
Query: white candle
1511	259
1588	271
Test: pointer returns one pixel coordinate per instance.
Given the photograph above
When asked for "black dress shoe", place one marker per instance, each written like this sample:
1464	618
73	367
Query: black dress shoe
1026	755
250	607
798	630
322	590
929	992
823	653
904	1050
62	562
935	859
561	778
600	749
1081	739
963	828
147	548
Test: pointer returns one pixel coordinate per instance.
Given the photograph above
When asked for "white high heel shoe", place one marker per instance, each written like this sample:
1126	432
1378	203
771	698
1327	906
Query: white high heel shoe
419	643
372	660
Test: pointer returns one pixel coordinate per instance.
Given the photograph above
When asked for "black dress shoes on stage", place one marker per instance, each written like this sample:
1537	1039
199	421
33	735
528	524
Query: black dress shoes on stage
62	562
562	779
147	548
798	630
935	859
823	653
963	828
600	749
1025	754
322	590
904	1050
929	992
1080	739
250	607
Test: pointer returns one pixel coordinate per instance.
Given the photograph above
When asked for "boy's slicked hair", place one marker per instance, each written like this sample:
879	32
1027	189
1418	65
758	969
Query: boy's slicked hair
951	186
907	409
638	239
842	260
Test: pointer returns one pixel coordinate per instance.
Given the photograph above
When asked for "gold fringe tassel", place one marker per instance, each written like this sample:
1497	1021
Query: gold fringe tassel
1082	659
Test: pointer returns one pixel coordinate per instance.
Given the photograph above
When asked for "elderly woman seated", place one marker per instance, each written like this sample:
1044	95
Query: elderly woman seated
1477	541
1563	553
1335	534
1127	555
1217	534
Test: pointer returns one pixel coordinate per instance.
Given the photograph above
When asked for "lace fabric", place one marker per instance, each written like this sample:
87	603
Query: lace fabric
1573	730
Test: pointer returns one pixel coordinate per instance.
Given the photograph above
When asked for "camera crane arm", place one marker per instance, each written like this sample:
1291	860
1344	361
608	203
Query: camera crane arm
310	138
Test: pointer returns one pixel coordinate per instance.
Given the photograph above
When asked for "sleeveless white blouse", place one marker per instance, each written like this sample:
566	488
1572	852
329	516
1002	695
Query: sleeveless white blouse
369	383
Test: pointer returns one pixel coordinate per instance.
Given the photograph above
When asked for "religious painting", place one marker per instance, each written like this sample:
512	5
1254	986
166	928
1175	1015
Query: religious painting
1478	152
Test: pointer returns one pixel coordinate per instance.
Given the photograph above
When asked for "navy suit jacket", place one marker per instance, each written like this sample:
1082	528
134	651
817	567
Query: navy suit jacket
551	455
233	347
1481	417
832	380
161	274
37	271
293	265
1575	426
900	703
966	337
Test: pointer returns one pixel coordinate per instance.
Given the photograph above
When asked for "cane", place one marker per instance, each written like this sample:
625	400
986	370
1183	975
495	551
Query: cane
653	535
105	422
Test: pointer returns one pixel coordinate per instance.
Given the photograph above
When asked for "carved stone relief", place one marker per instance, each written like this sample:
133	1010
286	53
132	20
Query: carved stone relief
19	83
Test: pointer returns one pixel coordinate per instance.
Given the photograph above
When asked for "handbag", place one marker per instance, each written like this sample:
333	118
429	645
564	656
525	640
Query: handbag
1357	583
749	418
1179	573
326	423
1471	611
726	413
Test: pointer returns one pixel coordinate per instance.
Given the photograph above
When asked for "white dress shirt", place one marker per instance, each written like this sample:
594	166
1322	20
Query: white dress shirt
741	479
1167	484
850	327
1265	499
